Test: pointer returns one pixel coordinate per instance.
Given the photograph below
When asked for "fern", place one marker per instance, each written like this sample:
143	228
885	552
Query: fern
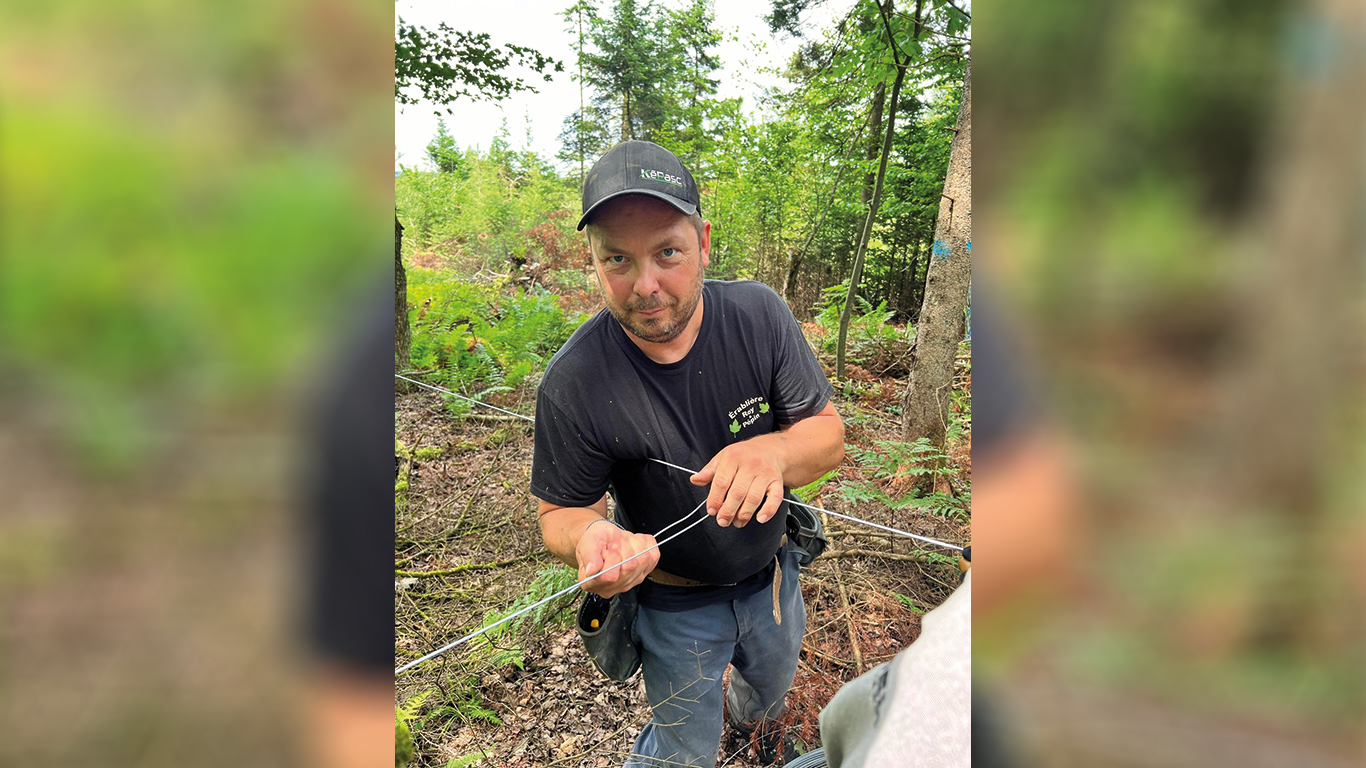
498	647
869	328
470	337
810	490
896	466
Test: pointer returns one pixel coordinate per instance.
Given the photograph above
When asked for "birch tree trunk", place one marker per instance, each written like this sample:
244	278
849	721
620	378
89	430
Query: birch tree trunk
940	325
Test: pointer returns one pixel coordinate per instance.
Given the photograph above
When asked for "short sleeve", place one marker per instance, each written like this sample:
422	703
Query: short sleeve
566	469
800	388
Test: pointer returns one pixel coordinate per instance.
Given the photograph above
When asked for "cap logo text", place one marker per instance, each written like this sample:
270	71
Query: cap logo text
667	178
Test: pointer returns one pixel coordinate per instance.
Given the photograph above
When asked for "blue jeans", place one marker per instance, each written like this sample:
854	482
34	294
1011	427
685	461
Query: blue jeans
684	654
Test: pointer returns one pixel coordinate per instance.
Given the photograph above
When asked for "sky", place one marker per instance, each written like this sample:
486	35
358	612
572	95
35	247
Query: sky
747	49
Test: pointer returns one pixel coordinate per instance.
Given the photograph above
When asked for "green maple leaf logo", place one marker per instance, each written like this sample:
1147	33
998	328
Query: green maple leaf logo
735	426
763	407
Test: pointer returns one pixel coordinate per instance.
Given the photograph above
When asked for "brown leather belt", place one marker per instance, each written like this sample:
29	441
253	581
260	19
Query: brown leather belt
664	577
660	576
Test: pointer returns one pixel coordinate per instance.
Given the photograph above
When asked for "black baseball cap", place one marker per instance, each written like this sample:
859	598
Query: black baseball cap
639	168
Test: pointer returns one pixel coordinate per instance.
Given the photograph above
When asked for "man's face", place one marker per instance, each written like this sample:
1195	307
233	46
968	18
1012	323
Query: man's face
649	261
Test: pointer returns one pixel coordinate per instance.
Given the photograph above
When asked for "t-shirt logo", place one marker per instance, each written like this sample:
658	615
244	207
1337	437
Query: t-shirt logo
746	413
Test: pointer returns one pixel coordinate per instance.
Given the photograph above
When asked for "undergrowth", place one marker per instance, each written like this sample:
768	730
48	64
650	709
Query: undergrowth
870	330
498	647
899	470
475	339
434	711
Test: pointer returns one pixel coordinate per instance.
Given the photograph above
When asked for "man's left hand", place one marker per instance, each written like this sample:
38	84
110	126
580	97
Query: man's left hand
745	478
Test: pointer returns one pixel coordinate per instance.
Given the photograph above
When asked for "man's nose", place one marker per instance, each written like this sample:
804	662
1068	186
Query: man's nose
647	280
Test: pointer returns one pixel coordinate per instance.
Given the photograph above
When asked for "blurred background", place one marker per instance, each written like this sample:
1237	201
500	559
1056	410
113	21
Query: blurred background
1170	222
193	197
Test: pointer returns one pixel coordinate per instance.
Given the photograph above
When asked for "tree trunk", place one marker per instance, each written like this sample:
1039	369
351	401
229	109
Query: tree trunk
868	226
879	97
939	327
1292	396
403	337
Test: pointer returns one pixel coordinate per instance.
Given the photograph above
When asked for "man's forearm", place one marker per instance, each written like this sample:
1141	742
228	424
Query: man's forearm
561	528
809	448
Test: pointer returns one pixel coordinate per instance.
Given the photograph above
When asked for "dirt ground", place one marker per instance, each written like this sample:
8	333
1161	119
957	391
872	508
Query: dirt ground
469	508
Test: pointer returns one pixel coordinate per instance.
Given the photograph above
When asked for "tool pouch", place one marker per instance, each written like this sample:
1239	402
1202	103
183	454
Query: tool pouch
805	534
610	646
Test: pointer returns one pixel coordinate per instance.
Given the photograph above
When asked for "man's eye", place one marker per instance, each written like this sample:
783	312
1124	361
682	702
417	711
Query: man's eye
668	252
617	259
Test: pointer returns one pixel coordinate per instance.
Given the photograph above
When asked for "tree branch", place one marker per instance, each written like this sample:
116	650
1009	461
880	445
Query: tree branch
858	552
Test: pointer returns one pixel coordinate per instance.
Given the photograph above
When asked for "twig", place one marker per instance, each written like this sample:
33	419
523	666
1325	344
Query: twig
828	657
589	751
849	617
422	614
470	566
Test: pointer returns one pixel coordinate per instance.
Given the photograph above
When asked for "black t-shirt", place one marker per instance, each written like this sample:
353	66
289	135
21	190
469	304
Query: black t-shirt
604	408
350	615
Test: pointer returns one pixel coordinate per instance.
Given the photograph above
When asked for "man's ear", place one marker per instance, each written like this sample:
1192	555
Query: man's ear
706	243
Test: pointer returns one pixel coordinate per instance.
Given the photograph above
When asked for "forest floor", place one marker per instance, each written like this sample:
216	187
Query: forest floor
468	550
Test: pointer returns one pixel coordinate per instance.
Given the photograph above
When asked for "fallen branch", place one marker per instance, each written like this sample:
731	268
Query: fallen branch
840	533
836	554
849	618
469	567
496	417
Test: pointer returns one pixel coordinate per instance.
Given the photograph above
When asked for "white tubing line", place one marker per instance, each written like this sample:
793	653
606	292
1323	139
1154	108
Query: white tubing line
462	397
917	537
561	593
851	518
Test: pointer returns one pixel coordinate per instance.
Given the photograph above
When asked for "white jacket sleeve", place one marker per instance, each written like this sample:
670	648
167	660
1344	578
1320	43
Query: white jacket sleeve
915	710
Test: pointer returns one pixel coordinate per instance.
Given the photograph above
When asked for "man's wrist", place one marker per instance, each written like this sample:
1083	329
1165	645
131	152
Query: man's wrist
599	520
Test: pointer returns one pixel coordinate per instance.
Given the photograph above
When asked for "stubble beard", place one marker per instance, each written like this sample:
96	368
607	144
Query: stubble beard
665	328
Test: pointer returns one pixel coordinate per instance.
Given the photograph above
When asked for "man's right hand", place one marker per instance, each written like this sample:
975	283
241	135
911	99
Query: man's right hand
601	544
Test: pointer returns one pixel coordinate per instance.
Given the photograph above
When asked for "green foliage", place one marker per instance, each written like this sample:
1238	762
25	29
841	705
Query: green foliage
497	210
909	603
442	152
444	65
403	744
460	700
498	647
810	490
152	271
870	331
897	466
469	337
403	736
631	58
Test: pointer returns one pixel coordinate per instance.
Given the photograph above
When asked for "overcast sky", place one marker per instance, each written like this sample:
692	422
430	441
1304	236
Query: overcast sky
747	48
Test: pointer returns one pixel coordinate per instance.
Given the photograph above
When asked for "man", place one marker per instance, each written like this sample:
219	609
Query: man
697	373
